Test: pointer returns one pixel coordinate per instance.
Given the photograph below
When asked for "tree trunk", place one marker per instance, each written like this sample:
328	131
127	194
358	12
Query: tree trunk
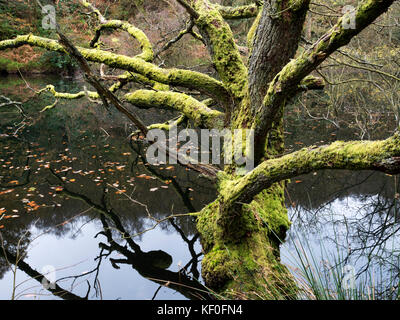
242	254
241	244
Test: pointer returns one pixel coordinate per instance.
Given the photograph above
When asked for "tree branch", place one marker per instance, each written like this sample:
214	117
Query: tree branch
240	12
147	49
177	77
193	109
105	94
222	47
54	288
383	155
187	30
188	8
284	85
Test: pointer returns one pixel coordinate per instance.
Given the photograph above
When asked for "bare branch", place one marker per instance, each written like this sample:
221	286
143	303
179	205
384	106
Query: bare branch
104	93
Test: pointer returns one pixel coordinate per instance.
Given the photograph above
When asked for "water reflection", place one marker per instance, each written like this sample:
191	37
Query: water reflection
79	196
74	170
347	219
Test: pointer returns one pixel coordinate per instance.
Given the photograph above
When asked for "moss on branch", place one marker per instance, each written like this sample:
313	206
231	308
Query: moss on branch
123	79
285	84
242	229
145	45
383	155
200	114
169	124
223	49
239	12
252	31
65	95
177	77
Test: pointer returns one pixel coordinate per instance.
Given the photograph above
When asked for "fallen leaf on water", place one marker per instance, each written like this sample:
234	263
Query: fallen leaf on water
145	176
153	189
6	191
298	181
2	210
120	192
2	226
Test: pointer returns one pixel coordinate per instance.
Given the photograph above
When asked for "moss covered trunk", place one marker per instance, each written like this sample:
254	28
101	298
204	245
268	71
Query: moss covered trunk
242	247
241	242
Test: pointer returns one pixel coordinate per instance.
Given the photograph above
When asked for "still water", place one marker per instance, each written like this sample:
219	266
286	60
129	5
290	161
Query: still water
73	185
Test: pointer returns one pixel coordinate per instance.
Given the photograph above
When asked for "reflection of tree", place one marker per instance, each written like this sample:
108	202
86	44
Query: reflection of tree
15	241
152	264
22	160
320	189
54	288
358	216
46	144
49	147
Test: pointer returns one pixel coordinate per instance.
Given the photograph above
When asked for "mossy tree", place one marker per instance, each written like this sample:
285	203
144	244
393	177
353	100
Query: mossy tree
242	229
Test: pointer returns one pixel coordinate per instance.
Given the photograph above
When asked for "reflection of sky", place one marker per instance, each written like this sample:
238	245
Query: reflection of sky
76	256
326	238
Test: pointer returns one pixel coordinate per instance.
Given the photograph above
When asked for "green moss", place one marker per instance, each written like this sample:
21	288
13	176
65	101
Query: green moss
238	12
147	49
252	32
190	107
224	52
241	230
177	77
242	249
